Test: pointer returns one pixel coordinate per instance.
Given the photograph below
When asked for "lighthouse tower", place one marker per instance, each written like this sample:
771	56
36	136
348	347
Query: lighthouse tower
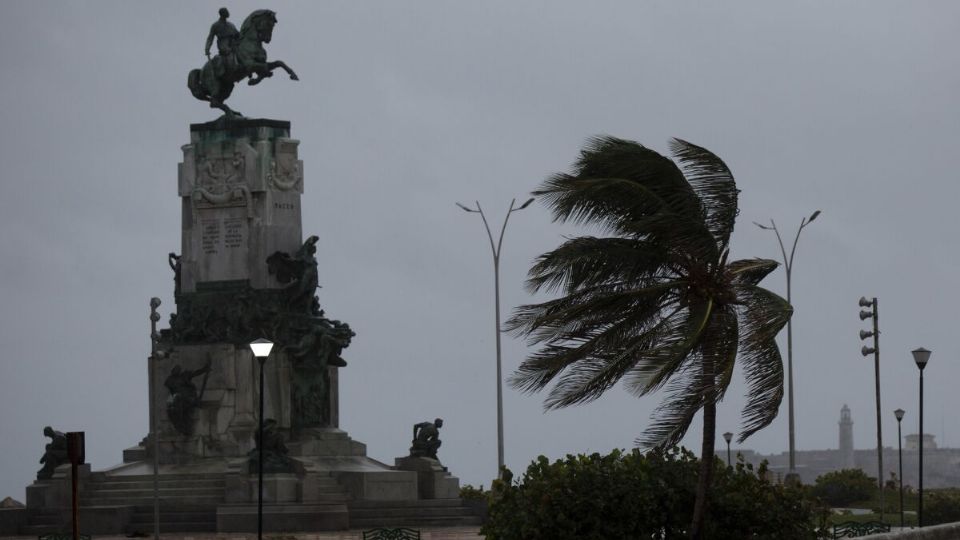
846	438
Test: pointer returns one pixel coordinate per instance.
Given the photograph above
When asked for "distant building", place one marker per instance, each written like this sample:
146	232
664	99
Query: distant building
941	466
912	442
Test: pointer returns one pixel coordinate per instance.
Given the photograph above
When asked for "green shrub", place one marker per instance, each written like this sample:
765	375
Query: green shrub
940	507
840	488
627	495
469	492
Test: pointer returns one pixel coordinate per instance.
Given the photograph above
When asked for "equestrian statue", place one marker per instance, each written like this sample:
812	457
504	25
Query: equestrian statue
240	55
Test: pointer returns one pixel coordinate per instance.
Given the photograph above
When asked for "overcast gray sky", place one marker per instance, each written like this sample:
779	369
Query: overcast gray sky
404	108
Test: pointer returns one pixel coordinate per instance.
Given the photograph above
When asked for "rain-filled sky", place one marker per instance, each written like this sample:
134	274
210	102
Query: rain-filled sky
404	108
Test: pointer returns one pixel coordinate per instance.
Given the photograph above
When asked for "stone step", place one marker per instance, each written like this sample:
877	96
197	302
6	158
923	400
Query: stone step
164	492
333	497
37	530
44	519
407	504
102	477
441	511
414	522
168	516
148	484
171	527
147	500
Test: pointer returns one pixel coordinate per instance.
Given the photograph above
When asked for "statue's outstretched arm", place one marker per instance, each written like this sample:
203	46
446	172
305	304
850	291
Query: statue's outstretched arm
210	36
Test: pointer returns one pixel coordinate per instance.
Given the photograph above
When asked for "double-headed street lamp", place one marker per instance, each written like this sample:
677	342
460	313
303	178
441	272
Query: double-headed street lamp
261	349
921	356
865	314
496	293
788	265
899	414
727	436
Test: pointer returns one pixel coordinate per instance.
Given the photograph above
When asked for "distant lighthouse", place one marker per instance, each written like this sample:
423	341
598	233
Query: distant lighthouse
846	438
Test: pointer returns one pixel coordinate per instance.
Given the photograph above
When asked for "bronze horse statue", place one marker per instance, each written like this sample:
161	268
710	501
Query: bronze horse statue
214	82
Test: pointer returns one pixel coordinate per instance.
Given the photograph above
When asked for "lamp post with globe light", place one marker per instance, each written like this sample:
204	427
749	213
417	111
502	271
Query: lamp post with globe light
899	414
788	266
261	349
496	292
727	437
920	356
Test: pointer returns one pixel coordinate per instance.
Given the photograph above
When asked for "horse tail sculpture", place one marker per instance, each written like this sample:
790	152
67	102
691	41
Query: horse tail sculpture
195	86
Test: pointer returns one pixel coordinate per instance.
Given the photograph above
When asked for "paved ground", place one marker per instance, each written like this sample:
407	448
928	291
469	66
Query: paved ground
453	533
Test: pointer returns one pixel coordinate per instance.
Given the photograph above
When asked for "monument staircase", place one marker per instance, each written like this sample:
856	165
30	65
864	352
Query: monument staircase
416	513
188	501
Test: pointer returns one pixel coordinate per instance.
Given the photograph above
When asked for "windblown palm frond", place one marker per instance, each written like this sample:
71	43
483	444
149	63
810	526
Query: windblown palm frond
655	302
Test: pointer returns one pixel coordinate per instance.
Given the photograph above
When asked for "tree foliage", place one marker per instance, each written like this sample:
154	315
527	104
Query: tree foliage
632	495
941	507
840	488
653	300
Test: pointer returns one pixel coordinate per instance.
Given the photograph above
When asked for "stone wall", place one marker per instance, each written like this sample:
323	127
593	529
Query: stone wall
947	531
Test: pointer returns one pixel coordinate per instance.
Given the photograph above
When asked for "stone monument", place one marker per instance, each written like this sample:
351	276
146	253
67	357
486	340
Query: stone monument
245	271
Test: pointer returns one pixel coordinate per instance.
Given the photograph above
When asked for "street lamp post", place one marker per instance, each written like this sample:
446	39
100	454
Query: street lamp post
496	293
921	356
899	414
261	349
873	313
788	265
727	436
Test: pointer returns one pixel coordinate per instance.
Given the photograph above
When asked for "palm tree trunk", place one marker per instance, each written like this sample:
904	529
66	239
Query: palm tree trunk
706	466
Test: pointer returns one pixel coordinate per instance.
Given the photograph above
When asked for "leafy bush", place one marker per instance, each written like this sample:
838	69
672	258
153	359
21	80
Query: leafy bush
632	495
940	507
471	493
840	488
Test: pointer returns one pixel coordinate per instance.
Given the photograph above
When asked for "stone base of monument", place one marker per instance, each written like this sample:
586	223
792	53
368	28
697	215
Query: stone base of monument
277	488
433	479
55	491
283	517
244	272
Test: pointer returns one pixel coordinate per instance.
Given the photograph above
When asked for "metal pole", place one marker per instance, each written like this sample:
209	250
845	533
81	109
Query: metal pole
788	265
876	363
900	456
729	462
496	249
262	359
496	288
792	428
154	436
920	491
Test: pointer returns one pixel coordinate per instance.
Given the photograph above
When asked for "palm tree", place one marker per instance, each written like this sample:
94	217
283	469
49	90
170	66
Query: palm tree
653	300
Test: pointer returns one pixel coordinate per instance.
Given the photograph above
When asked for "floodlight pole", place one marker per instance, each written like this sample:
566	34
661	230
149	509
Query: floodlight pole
874	313
154	435
788	266
496	294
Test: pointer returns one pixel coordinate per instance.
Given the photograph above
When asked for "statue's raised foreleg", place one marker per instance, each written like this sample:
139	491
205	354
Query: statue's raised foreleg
281	64
265	70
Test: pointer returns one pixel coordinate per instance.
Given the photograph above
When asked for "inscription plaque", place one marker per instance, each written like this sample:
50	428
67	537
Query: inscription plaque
210	236
233	235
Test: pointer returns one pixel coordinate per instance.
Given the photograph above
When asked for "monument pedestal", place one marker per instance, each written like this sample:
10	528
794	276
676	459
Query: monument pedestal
245	272
433	479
